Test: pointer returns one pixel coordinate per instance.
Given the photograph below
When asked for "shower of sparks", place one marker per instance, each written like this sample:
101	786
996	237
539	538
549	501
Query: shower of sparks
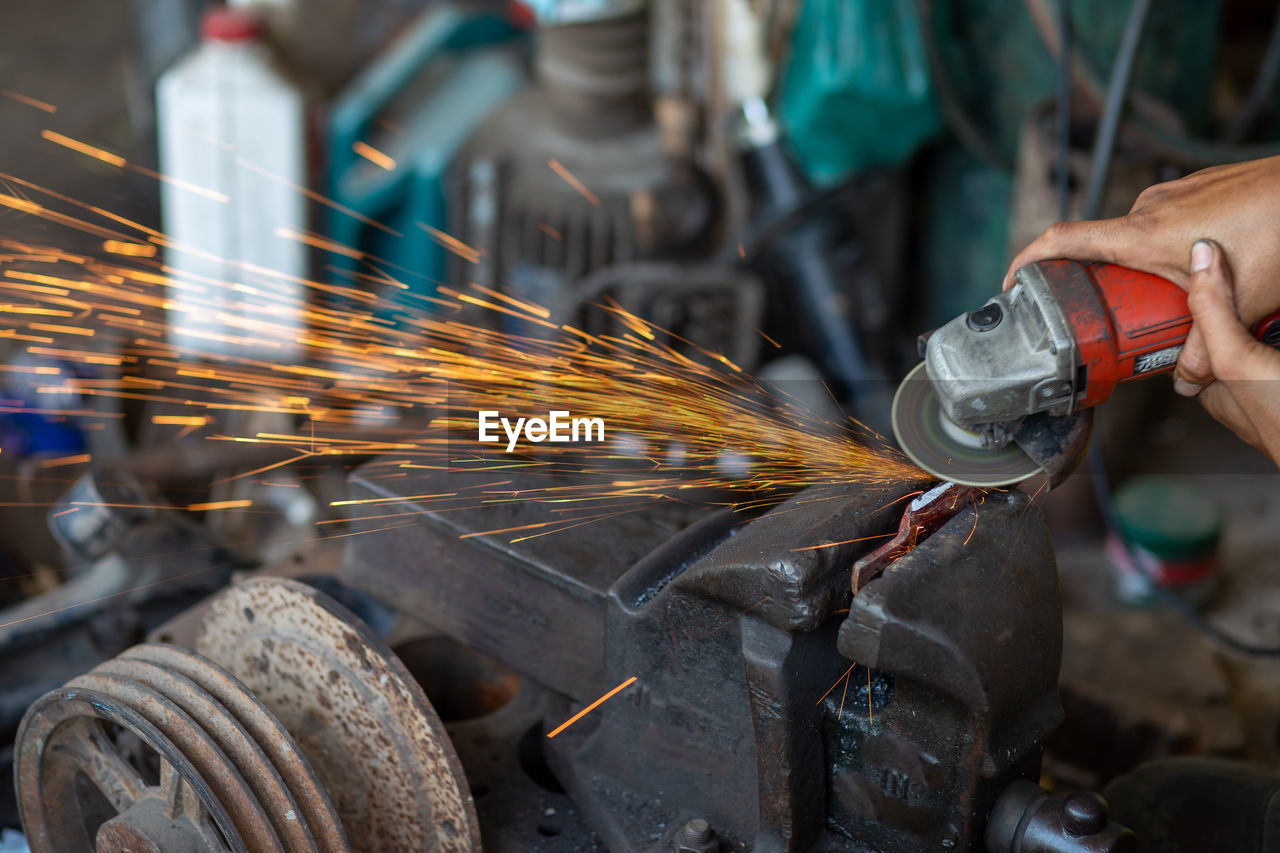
596	704
683	423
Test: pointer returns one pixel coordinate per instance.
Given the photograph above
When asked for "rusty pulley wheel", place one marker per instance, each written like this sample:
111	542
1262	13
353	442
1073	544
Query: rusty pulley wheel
307	813
162	750
355	711
96	773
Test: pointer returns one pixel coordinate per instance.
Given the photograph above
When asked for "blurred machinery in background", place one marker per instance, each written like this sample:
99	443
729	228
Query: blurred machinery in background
800	185
611	158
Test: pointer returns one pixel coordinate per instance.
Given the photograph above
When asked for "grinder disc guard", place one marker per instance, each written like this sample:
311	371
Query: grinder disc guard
919	428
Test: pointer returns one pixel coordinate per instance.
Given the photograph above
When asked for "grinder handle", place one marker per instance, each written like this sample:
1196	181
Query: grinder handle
1127	324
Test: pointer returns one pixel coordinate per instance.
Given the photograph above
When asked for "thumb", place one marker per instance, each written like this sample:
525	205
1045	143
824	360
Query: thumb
1193	372
1227	344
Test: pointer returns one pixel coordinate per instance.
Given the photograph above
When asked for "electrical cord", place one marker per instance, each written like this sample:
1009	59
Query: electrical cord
1063	158
1145	124
1109	126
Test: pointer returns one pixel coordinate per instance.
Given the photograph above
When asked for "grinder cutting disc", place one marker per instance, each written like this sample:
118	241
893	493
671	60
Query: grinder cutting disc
938	447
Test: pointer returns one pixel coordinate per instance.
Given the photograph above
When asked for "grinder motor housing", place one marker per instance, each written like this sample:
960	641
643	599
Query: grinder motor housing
1057	342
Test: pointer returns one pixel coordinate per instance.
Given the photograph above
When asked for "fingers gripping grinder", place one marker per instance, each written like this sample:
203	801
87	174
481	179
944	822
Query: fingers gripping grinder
1006	392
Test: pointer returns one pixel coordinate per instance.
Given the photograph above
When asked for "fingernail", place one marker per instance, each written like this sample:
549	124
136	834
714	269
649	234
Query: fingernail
1185	388
1201	256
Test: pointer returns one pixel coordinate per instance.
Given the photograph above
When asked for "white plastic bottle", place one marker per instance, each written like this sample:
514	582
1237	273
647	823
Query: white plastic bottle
232	140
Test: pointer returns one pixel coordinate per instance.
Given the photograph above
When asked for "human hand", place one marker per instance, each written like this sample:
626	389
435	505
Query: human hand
1244	390
1237	206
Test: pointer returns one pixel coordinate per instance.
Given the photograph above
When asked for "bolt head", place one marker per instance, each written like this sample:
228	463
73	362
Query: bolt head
1084	813
696	837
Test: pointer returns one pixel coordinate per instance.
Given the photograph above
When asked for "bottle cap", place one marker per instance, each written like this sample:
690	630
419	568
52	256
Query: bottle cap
1168	516
223	23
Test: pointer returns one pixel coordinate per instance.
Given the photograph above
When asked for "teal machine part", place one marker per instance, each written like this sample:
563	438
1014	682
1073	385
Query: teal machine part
416	104
856	93
1001	71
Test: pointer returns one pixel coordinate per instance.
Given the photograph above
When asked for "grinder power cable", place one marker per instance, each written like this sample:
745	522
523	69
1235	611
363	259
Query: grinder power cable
1006	392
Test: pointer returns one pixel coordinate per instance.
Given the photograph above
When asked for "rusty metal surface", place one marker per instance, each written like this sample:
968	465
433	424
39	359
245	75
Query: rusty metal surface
248	758
223	759
64	739
315	808
360	718
208	758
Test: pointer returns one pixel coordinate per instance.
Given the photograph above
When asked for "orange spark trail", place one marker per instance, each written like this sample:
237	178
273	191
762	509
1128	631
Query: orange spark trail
315	196
83	148
373	155
66	460
843	542
870	722
136	250
179	420
596	704
29	101
219	505
572	180
837	683
453	244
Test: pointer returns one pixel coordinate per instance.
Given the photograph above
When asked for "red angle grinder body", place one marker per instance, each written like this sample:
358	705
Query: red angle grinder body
1006	392
1127	324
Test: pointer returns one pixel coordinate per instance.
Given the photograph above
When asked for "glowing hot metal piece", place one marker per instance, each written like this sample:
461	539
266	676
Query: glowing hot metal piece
922	518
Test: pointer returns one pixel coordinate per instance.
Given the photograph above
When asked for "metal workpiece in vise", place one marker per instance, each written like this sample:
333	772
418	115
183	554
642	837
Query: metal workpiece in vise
734	629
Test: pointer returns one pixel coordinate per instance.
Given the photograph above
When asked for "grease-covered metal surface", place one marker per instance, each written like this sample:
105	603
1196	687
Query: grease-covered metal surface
355	711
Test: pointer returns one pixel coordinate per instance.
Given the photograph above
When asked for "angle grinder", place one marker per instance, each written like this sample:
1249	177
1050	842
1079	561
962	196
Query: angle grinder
1006	392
